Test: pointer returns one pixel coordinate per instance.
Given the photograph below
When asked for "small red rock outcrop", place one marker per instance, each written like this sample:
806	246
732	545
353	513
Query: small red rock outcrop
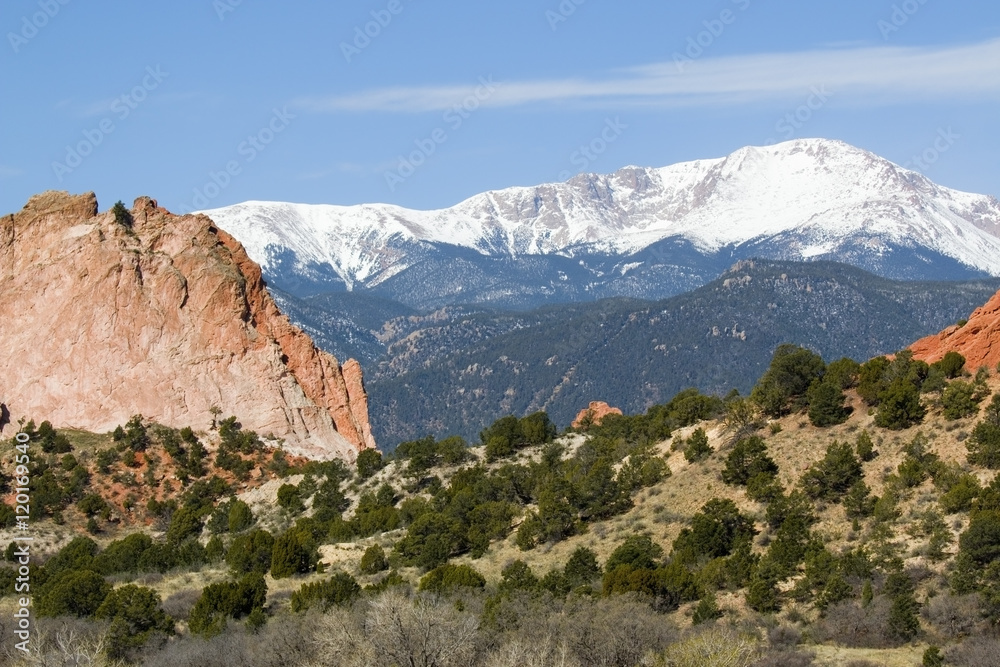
594	414
978	340
169	319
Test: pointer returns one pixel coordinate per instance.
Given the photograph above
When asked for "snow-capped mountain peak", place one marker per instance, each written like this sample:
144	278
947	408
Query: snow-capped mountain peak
795	200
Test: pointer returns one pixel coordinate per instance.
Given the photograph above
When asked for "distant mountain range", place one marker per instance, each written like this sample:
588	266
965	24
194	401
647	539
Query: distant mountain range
458	368
550	296
639	232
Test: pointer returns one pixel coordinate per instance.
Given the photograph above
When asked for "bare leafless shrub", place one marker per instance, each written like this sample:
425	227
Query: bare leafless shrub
581	631
919	572
285	641
953	616
713	646
795	615
228	648
515	652
521	615
148	579
64	643
975	652
784	637
279	599
861	663
396	629
850	624
612	632
179	605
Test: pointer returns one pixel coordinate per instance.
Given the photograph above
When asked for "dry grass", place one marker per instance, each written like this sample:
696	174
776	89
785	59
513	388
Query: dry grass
906	656
662	511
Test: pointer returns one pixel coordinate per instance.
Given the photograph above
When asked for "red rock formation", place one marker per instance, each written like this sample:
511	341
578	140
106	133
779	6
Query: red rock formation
167	319
594	413
978	340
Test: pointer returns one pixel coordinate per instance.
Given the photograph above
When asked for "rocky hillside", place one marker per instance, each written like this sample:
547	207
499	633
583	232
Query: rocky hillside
108	315
463	369
977	339
831	528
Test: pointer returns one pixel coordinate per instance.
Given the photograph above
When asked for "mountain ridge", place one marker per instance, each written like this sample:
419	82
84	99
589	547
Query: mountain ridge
803	199
635	354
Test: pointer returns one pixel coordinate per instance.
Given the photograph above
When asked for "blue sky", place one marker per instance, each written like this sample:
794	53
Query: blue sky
202	103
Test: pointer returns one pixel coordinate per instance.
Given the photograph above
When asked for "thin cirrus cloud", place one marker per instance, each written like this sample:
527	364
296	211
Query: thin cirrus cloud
867	75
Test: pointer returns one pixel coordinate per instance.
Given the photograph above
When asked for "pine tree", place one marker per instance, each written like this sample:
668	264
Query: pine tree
706	610
374	560
865	447
122	215
933	657
958	400
900	406
369	462
859	503
834	474
697	446
289	556
984	443
903	621
836	590
762	591
240	516
826	404
747	459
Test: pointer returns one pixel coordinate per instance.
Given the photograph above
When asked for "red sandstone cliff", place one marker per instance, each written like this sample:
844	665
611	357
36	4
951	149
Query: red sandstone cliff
978	340
99	322
594	414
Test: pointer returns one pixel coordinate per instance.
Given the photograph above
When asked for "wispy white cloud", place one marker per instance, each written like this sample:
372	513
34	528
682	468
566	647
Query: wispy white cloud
862	75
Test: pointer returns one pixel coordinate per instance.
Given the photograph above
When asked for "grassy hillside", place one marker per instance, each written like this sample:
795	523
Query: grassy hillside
702	532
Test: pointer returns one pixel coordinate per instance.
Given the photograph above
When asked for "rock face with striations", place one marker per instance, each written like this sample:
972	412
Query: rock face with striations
978	340
167	318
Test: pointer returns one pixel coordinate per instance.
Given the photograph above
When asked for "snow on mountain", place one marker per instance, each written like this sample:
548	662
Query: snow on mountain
811	197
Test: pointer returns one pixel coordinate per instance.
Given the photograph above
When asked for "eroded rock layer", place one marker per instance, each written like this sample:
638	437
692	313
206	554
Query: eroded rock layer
167	318
978	340
594	414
